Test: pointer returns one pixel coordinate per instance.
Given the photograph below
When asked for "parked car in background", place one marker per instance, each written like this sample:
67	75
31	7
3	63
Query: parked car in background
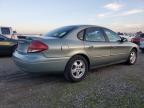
7	46
137	39
8	32
127	36
73	50
142	44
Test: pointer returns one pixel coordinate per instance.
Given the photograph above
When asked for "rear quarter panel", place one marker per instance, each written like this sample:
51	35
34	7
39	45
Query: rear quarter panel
64	48
54	48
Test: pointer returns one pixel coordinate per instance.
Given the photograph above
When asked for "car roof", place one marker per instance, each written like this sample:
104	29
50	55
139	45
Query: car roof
87	26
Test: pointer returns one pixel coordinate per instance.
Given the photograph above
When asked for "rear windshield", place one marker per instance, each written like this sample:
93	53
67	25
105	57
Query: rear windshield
60	32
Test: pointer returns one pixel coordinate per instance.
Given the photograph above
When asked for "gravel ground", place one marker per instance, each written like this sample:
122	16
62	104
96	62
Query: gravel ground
116	86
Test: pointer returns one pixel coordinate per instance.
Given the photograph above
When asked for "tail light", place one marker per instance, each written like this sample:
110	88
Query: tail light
37	46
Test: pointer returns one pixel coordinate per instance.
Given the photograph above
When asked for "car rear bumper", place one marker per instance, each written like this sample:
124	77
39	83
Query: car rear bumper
37	63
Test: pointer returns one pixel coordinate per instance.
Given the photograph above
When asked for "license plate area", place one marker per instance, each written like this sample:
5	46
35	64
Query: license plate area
22	46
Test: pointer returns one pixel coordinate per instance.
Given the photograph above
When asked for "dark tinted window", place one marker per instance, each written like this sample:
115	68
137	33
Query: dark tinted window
5	30
142	35
94	34
81	35
112	36
60	32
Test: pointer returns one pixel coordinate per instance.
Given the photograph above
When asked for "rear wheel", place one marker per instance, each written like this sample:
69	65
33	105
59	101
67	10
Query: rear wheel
76	69
132	57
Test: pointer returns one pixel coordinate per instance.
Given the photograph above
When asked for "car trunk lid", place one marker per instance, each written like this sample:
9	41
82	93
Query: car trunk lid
25	41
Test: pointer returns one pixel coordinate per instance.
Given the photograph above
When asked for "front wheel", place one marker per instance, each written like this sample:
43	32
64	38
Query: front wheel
132	57
76	69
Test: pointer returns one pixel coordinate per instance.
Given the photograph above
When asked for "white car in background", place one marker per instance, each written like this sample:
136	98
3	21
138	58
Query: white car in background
128	36
8	32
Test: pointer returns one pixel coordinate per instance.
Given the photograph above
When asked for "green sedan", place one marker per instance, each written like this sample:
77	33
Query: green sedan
73	51
7	46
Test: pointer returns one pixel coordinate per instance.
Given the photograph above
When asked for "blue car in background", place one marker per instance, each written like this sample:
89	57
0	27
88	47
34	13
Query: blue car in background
7	46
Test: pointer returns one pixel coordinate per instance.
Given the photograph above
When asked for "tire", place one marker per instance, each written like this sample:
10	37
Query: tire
132	57
142	50
11	50
76	69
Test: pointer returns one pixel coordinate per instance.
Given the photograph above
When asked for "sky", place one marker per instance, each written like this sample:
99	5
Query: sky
40	16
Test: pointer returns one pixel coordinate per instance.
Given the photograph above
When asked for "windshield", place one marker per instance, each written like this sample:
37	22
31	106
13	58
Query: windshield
60	32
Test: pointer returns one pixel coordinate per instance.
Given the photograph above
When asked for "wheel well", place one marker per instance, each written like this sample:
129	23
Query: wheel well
135	49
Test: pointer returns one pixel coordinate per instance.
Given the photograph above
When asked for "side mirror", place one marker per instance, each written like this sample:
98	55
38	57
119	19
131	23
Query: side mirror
124	39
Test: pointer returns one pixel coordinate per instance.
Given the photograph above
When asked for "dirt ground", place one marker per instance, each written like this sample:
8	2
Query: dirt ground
116	86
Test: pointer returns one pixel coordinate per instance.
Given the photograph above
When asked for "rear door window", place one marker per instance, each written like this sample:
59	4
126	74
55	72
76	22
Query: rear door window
81	35
112	36
94	35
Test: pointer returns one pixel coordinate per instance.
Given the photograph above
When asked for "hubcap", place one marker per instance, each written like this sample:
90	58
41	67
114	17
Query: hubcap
132	57
78	69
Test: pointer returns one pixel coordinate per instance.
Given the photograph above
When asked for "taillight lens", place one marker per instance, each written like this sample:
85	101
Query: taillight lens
37	46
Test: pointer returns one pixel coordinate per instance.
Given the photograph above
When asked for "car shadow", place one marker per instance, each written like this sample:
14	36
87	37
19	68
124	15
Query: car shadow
33	79
21	76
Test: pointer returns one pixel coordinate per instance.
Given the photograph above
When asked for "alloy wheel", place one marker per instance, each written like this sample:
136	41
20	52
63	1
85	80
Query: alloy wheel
78	69
133	57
